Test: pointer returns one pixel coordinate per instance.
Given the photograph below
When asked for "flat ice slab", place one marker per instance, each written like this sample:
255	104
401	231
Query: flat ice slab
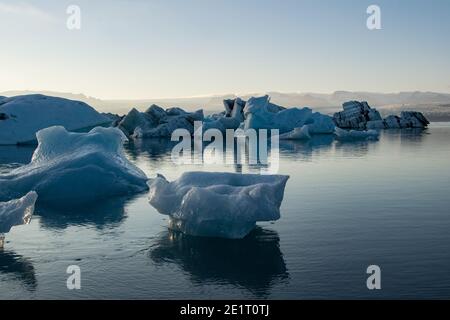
22	116
296	134
342	134
16	212
212	204
74	168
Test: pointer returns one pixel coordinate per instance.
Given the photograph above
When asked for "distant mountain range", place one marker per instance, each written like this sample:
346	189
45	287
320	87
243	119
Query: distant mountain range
435	105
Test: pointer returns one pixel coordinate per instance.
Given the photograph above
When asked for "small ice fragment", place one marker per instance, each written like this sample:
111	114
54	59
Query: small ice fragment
297	134
16	212
342	134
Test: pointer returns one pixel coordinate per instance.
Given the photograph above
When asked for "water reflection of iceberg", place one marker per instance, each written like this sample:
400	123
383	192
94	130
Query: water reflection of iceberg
413	136
255	262
107	214
19	267
354	149
16	154
154	149
305	149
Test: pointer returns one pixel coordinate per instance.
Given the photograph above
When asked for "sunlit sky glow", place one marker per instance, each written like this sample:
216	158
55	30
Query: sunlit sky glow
177	48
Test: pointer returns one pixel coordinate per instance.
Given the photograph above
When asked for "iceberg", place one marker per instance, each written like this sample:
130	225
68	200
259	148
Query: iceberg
260	114
224	205
413	119
342	134
75	168
16	212
321	124
407	119
356	115
156	122
234	108
392	122
231	118
22	116
221	124
376	125
360	116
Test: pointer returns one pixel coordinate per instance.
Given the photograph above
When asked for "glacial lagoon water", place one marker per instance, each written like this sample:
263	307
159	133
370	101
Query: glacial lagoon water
347	206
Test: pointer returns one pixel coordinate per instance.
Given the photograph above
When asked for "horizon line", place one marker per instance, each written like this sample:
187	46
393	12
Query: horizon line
212	95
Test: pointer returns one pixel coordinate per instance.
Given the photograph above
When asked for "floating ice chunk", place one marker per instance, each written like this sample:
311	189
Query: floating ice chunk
222	124
16	212
156	122
356	115
297	134
133	120
75	168
392	122
231	118
376	125
356	135
413	119
258	115
360	116
408	119
156	112
225	205
234	108
164	129
23	116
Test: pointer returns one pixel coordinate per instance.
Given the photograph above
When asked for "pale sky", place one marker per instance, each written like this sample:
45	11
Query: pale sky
179	48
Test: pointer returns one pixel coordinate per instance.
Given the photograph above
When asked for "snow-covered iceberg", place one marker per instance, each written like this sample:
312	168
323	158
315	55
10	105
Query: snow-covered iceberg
74	168
16	212
22	116
212	204
342	134
156	122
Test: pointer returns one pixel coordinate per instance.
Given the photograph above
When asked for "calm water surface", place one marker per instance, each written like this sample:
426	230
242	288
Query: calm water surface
346	206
